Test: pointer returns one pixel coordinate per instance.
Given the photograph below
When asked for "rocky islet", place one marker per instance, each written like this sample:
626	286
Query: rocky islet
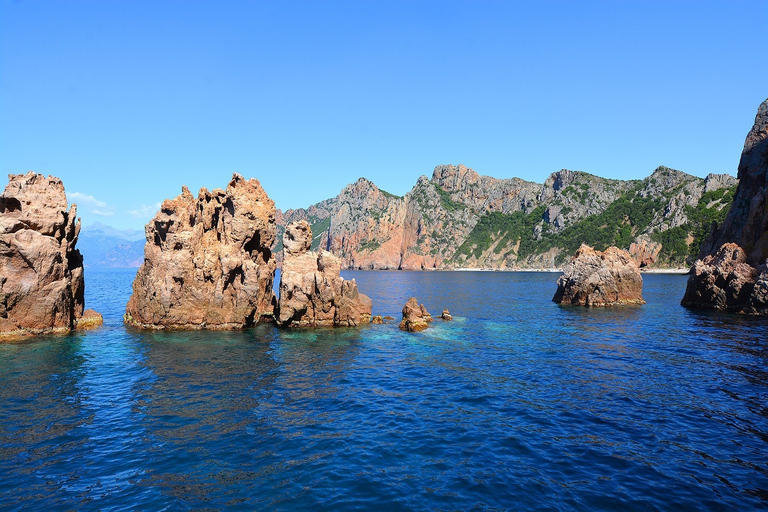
312	291
207	261
41	270
599	279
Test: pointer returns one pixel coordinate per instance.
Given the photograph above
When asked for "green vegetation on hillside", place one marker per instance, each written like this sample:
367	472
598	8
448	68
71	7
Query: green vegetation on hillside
619	224
448	203
712	207
503	227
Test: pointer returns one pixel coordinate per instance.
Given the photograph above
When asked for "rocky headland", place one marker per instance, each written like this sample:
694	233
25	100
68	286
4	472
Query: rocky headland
731	273
207	261
312	292
461	219
599	279
41	271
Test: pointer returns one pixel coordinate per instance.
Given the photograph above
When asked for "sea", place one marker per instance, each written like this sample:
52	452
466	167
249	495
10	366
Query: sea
516	404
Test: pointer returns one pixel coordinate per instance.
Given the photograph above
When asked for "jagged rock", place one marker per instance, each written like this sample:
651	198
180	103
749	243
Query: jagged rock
746	223
415	316
312	293
595	278
41	271
377	320
644	252
446	315
207	261
723	281
730	273
389	317
758	299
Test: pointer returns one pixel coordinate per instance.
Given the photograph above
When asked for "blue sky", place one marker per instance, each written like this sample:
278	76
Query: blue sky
128	100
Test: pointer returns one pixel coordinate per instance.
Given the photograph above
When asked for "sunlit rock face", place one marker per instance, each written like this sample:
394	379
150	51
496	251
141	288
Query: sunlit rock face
598	279
415	316
312	292
207	261
41	271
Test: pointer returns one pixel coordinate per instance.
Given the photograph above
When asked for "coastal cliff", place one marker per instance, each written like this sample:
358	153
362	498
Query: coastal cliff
731	273
41	271
461	219
207	261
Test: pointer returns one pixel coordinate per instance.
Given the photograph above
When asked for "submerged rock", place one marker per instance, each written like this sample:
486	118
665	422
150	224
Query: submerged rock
312	292
598	279
207	261
41	271
377	320
415	316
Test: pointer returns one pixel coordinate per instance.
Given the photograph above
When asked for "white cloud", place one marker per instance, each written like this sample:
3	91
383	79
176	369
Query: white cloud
145	210
91	205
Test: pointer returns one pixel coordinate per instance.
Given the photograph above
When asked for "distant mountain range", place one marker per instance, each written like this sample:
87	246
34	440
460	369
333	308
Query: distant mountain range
460	219
105	246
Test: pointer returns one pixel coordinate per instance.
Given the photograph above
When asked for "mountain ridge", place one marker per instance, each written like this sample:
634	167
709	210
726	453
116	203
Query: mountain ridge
437	224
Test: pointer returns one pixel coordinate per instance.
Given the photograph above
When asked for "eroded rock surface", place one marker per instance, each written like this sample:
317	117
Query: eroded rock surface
595	278
746	223
644	252
207	261
415	316
312	292
41	271
731	272
725	281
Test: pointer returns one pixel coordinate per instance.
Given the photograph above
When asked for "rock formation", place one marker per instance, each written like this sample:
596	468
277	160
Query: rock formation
377	320
415	316
446	315
459	218
41	271
731	272
746	223
644	252
722	281
595	278
312	292
207	261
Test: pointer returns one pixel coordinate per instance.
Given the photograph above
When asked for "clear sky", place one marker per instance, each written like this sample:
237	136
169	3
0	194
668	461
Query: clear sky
126	100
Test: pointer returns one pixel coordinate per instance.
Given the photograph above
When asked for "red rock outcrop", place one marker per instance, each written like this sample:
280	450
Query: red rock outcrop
730	274
41	271
312	292
644	252
415	316
746	223
598	279
723	281
207	261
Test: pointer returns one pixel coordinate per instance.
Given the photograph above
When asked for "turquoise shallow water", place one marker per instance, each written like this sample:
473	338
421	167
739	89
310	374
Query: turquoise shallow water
517	404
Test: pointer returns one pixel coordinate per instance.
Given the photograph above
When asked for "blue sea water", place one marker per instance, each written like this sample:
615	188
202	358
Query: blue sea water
517	404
